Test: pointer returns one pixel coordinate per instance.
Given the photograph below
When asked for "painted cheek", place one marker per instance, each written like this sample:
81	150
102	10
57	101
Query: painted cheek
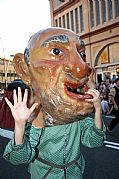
47	65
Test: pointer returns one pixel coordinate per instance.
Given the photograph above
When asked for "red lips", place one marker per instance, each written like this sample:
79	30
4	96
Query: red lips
73	92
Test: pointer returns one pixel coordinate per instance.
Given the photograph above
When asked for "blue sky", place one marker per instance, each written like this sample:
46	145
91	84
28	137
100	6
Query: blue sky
19	19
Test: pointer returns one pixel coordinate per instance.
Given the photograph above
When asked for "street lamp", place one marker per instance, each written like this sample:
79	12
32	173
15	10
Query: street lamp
4	60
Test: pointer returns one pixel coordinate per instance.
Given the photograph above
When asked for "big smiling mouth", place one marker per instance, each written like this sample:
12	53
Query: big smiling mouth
77	92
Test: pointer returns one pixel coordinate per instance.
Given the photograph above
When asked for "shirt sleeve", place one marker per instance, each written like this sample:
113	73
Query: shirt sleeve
23	153
92	136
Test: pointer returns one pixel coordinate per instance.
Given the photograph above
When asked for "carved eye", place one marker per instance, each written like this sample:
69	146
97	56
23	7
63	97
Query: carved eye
56	51
83	55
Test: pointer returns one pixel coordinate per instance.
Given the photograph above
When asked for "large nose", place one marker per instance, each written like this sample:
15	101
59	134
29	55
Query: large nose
76	66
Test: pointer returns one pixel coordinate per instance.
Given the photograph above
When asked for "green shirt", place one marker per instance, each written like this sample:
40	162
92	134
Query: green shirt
54	152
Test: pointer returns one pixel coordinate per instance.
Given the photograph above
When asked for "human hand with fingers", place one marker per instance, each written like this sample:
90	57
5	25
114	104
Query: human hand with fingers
97	105
19	109
96	98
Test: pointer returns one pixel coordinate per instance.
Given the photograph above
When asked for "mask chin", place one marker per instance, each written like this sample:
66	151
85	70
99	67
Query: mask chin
53	117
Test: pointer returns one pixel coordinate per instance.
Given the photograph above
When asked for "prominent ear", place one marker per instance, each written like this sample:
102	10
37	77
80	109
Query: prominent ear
21	68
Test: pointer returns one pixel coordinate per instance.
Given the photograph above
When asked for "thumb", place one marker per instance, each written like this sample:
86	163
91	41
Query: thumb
8	103
33	107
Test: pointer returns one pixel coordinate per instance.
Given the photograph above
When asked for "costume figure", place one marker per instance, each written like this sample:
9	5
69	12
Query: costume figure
49	132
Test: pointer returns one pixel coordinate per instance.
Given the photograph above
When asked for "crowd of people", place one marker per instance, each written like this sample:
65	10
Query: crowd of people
109	92
105	88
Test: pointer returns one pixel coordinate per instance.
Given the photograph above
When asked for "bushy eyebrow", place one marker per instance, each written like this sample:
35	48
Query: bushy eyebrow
56	39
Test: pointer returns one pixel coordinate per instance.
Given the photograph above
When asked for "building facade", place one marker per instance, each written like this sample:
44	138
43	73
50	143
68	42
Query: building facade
97	22
7	72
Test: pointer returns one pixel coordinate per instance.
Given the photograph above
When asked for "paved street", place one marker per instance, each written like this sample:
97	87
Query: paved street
101	163
7	170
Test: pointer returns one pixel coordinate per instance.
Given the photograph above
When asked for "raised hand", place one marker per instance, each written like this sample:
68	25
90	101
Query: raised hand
97	105
19	109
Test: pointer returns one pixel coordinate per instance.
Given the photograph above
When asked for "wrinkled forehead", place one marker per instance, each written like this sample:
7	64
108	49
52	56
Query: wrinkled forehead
54	35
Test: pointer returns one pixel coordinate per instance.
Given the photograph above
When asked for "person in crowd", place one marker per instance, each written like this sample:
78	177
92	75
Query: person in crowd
112	84
6	118
60	80
104	104
113	78
103	88
114	93
111	107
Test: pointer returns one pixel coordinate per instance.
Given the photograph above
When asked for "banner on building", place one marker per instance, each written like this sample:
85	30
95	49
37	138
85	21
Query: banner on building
104	57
